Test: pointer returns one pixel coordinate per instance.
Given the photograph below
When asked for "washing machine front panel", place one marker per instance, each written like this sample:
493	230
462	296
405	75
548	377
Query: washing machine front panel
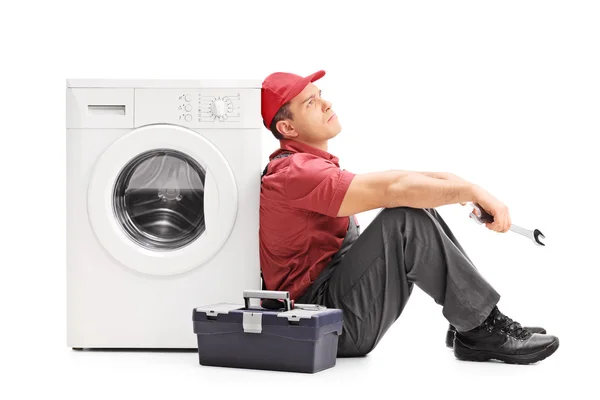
162	200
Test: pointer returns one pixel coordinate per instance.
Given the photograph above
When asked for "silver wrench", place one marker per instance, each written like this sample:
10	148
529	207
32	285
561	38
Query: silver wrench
484	217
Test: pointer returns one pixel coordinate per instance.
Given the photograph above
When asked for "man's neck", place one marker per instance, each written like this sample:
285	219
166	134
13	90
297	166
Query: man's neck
319	145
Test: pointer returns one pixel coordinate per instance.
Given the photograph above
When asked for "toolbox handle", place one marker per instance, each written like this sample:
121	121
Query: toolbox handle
282	296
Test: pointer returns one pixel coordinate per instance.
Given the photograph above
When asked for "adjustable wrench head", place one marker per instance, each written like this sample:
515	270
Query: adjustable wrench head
536	237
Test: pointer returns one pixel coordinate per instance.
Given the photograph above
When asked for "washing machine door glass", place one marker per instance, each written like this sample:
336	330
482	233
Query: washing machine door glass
162	199
159	197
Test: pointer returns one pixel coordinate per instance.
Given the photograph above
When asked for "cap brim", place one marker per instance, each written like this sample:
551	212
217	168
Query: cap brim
316	76
301	84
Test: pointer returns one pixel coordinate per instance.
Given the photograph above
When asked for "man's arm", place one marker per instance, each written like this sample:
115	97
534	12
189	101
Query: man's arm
430	190
447	176
403	188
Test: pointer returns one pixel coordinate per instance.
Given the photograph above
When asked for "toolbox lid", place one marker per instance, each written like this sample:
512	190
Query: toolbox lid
302	311
220	308
299	311
303	322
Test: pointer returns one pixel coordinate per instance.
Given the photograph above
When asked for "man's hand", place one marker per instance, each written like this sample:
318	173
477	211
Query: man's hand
494	207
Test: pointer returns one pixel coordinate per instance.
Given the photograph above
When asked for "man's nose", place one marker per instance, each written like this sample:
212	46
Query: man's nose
326	105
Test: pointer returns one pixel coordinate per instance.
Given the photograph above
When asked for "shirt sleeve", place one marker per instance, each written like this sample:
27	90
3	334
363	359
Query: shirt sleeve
315	184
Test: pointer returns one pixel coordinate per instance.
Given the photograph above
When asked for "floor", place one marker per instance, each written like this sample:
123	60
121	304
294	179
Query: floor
410	361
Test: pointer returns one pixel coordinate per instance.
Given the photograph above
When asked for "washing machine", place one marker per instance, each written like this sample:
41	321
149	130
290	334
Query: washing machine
163	185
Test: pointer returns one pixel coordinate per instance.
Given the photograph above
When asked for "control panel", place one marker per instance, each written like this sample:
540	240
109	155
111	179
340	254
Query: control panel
198	107
210	107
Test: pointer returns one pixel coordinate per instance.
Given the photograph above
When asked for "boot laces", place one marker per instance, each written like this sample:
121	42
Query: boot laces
512	327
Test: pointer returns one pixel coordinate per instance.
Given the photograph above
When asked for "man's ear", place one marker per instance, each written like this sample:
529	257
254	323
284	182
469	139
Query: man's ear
286	129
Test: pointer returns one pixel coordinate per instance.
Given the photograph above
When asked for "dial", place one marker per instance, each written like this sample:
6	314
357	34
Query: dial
188	97
218	108
188	117
188	107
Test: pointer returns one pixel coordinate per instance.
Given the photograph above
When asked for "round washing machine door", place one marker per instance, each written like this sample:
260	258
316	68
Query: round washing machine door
162	200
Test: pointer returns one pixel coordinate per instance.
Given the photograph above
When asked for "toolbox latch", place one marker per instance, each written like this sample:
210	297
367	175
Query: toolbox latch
252	322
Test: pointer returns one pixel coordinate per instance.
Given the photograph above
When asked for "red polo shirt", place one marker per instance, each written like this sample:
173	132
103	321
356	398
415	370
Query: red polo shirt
299	229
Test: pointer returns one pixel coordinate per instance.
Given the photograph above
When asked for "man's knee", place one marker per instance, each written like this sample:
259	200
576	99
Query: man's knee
401	210
403	213
360	335
348	348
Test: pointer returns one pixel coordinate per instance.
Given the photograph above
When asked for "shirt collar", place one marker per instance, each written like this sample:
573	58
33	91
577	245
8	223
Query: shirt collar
292	146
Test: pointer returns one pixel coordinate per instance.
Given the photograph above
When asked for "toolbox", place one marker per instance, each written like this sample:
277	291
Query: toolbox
285	337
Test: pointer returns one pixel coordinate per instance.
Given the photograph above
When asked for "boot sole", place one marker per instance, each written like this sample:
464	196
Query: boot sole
466	354
450	338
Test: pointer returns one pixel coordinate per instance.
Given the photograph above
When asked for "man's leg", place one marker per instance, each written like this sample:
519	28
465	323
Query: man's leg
435	214
401	247
451	329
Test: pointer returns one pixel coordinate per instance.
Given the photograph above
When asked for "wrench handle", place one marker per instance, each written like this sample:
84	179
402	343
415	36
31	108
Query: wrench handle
483	216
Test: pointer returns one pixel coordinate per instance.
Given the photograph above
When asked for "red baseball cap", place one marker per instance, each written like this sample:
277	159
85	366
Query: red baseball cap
279	88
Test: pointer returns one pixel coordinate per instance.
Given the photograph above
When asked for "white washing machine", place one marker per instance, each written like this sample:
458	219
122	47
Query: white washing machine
163	185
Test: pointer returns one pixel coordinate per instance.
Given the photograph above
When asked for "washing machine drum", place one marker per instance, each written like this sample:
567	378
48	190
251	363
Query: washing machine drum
159	199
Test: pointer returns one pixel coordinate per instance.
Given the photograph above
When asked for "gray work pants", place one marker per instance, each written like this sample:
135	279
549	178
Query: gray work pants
372	281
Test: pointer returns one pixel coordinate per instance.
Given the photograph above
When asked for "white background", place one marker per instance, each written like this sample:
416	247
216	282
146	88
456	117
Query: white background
503	94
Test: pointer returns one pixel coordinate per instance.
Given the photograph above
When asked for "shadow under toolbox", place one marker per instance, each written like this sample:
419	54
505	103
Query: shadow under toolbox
298	338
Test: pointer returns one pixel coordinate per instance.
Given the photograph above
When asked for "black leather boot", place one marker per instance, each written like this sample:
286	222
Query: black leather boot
501	338
452	331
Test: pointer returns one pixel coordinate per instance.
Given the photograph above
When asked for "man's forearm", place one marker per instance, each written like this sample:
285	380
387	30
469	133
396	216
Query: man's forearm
437	175
421	190
447	176
442	175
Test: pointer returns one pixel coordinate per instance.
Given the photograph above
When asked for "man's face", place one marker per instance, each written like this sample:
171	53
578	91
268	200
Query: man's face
314	119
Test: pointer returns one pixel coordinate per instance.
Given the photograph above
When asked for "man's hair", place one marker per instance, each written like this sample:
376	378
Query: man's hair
284	112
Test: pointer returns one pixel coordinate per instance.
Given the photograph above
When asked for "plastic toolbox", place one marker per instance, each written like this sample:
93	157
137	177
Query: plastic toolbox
295	337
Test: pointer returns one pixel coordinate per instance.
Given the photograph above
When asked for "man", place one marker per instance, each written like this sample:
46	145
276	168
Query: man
311	246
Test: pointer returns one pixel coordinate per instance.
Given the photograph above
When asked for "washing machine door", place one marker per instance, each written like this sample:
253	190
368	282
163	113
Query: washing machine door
162	200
